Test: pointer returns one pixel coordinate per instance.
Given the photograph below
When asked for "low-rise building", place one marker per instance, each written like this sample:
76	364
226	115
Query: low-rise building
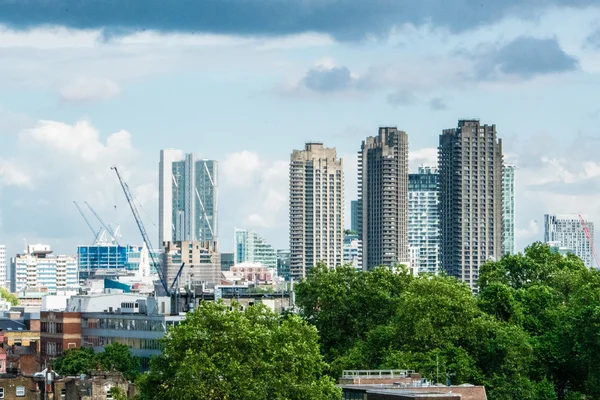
39	268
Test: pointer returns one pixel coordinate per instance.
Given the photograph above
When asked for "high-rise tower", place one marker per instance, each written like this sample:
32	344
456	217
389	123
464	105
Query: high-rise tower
566	230
470	182
508	208
316	208
188	198
383	198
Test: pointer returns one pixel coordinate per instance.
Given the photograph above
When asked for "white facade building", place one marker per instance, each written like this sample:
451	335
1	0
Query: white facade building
3	264
566	231
508	208
423	220
316	208
250	247
352	251
38	268
187	198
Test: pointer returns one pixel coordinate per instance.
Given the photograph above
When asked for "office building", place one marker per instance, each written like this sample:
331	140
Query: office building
283	263
113	258
39	268
202	263
470	182
354	216
352	250
316	208
567	231
383	198
251	247
423	220
227	261
508	208
187	198
3	267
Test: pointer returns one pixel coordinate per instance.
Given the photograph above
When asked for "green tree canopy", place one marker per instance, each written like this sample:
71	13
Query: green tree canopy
226	353
118	357
8	296
75	361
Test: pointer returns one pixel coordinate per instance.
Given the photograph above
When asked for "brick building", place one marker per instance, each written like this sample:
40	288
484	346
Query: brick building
59	331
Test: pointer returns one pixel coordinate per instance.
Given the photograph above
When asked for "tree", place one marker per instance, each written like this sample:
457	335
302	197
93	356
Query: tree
227	353
75	361
8	296
117	356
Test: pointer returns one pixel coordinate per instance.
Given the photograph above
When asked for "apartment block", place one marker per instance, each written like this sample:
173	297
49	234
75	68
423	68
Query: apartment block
39	268
567	231
253	248
423	220
383	198
3	267
508	208
471	207
202	263
316	208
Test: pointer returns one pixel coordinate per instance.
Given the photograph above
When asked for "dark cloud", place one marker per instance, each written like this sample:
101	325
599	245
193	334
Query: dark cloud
344	19
323	79
402	97
437	104
526	57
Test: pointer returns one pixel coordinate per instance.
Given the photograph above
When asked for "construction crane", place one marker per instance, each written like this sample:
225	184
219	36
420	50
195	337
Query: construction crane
107	227
145	237
96	234
590	240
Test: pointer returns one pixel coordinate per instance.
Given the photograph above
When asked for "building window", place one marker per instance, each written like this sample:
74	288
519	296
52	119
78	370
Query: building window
20	391
1	392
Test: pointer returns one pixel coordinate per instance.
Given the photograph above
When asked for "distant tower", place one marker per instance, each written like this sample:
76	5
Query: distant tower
383	198
188	198
249	246
423	220
354	216
565	230
508	208
470	182
316	208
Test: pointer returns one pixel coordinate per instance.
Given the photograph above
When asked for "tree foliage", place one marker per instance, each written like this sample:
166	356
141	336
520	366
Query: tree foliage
253	354
531	333
8	296
115	356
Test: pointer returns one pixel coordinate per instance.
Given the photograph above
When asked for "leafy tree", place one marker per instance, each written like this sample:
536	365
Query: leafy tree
117	356
75	361
226	353
8	296
117	393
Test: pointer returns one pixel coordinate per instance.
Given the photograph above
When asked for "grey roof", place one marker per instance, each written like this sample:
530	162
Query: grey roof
7	324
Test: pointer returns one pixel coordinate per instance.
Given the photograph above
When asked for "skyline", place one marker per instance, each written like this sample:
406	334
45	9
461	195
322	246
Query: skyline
78	98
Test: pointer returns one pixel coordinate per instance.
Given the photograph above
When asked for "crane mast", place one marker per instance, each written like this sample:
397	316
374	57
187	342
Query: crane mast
106	227
96	234
141	227
590	241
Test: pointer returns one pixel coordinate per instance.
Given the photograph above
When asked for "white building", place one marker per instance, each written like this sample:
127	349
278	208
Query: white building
352	250
566	231
508	208
423	220
3	265
316	208
251	247
187	197
39	268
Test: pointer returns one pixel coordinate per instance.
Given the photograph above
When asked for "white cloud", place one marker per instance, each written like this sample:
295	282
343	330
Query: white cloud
240	169
83	88
12	175
426	156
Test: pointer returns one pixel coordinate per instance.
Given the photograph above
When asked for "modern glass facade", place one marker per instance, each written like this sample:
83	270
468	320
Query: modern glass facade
354	216
110	257
251	247
508	208
283	264
352	250
423	220
188	197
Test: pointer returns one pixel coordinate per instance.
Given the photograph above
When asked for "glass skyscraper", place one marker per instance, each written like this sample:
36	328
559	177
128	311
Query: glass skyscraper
423	220
251	247
111	257
188	197
508	208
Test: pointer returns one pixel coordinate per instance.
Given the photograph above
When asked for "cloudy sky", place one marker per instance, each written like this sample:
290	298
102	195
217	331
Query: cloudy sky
85	85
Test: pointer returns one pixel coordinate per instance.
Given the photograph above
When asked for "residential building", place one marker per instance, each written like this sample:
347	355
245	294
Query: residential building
253	271
352	250
283	263
508	208
470	183
251	247
39	268
383	198
316	208
202	263
567	231
3	267
113	257
227	261
59	331
423	220
187	195
354	215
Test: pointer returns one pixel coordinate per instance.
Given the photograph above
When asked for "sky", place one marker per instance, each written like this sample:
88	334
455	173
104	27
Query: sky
87	85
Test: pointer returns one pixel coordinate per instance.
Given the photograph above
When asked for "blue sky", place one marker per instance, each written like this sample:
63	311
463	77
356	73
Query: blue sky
85	85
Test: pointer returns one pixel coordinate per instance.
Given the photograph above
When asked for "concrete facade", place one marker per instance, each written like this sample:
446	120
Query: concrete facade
202	263
566	231
316	208
383	198
470	180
